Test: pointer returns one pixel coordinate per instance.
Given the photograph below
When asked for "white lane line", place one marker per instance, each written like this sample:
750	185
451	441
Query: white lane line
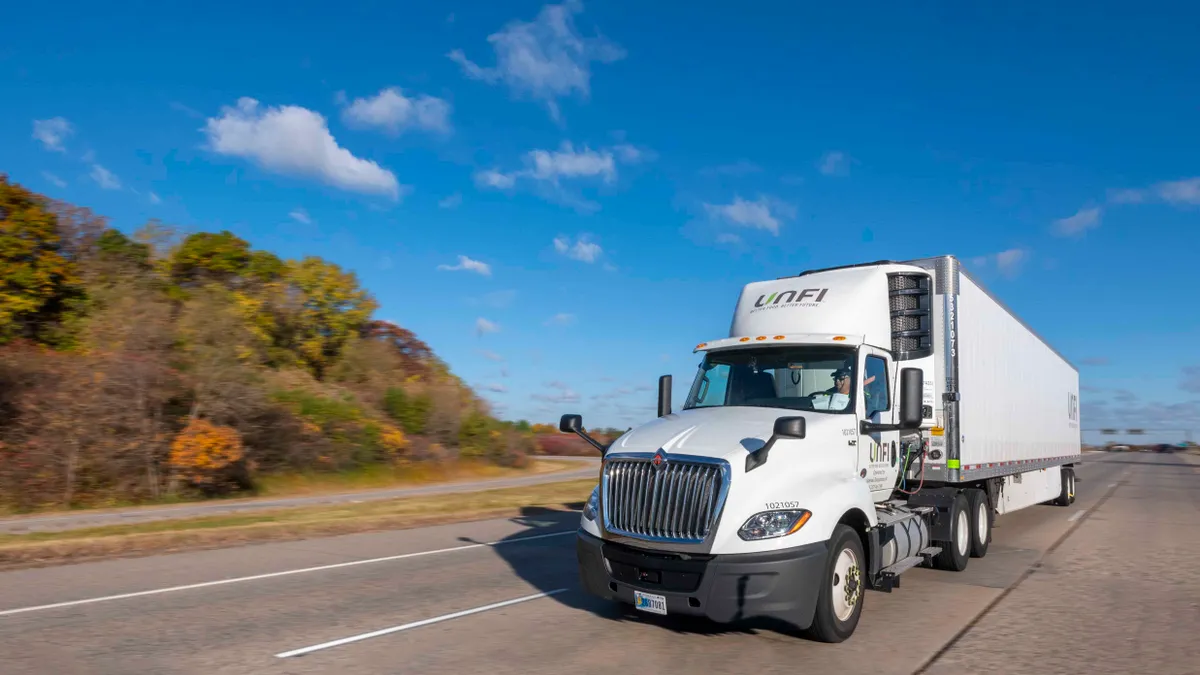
271	575
415	624
1076	516
1112	485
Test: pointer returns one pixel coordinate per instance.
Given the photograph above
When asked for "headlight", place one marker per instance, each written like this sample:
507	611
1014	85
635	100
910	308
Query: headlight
770	524
593	504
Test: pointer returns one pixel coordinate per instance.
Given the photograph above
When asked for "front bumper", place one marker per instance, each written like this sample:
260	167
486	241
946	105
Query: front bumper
780	585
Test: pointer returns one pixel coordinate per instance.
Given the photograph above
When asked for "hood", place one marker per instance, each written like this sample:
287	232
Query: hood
725	432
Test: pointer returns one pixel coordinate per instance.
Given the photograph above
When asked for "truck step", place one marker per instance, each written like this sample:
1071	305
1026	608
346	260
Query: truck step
904	565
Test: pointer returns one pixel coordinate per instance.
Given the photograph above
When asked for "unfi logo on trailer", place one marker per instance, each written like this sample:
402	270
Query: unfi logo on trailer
808	297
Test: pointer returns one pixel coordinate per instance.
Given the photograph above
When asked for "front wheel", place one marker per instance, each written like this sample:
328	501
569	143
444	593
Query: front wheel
840	602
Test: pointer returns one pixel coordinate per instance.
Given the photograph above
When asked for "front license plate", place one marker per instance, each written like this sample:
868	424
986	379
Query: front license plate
647	602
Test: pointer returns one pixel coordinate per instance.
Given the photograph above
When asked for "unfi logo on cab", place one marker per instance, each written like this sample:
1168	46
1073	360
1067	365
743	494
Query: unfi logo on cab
809	297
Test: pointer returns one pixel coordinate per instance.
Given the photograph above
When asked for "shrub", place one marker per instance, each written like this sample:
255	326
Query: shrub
203	454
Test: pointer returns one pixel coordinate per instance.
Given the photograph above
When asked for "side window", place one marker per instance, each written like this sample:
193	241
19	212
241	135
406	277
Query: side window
711	386
875	386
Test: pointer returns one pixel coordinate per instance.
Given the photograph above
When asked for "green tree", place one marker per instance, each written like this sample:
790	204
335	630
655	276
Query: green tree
38	280
332	307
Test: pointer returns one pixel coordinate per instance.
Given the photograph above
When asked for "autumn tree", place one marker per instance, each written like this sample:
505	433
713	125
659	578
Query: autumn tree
331	308
38	279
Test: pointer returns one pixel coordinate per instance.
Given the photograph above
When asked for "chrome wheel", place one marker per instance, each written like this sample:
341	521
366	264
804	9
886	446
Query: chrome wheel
847	584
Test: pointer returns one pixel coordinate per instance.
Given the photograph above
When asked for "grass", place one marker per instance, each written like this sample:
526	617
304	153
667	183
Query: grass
45	548
374	477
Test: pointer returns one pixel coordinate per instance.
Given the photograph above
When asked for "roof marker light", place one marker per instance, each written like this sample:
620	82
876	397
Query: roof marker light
761	337
746	339
839	338
778	337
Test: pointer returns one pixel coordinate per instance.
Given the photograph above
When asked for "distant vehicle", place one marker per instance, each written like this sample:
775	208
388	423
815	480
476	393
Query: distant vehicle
855	423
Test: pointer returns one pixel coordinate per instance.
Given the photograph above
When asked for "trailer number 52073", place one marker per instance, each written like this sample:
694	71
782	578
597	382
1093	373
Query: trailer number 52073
783	505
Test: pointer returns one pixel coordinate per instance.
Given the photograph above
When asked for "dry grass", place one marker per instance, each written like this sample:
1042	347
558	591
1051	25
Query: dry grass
46	548
325	483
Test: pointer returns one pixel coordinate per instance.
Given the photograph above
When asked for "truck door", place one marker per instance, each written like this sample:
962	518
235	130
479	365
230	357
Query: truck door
878	452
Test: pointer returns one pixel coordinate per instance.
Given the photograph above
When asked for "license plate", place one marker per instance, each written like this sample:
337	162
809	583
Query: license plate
647	602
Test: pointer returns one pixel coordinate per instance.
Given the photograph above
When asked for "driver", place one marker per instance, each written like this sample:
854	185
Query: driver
837	397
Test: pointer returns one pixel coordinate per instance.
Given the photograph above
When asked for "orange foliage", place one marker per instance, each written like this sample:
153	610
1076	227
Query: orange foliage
544	429
393	440
203	450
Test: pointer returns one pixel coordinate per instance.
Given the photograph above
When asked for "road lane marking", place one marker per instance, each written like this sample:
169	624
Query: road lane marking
271	575
1112	485
414	624
1076	516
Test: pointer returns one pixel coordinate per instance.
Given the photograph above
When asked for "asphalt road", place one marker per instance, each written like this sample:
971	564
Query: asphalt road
79	519
1108	585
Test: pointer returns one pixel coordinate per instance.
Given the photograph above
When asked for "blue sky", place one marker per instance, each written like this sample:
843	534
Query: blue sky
606	176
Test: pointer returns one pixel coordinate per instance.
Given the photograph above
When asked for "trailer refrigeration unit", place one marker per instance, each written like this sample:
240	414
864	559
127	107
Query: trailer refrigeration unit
856	422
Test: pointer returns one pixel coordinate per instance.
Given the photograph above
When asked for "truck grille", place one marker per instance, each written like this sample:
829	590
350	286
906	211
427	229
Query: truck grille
679	502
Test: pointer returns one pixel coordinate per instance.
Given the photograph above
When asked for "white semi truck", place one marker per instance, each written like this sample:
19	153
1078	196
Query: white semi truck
855	423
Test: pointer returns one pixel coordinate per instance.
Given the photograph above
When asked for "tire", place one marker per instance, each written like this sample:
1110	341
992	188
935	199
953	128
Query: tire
982	518
1067	496
840	602
956	553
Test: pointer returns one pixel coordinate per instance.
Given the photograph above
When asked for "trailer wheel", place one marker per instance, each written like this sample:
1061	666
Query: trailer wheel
1067	496
840	602
981	522
956	552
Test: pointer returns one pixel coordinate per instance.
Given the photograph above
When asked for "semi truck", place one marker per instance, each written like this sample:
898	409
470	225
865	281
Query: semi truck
855	423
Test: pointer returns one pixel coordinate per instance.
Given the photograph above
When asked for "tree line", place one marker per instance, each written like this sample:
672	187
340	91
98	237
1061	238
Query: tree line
143	367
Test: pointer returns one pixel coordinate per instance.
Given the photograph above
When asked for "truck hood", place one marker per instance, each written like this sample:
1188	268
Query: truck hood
727	432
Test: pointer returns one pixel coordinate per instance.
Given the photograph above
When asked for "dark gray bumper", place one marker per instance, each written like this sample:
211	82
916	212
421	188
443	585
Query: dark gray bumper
781	585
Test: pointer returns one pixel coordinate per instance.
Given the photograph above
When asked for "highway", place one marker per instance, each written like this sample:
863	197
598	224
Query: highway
1108	585
98	518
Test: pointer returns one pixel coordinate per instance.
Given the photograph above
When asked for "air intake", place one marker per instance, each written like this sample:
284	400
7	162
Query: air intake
910	300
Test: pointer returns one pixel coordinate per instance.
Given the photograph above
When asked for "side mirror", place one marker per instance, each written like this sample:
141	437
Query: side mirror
664	396
790	427
912	394
785	427
574	424
570	424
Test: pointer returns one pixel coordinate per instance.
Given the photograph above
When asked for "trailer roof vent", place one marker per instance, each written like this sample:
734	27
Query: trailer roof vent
910	300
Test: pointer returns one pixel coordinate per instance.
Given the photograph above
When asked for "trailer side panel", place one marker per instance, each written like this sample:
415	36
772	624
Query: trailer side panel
1019	402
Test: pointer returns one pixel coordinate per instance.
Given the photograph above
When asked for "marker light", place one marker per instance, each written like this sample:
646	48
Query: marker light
778	337
761	337
702	345
839	338
744	340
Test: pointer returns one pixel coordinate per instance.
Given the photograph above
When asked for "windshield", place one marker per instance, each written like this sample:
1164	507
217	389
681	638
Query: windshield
798	377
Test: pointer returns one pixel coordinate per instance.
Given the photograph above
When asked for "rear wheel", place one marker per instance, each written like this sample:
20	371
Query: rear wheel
956	552
840	602
1067	496
981	522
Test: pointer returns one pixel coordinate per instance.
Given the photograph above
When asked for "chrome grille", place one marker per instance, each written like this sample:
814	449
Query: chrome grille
679	502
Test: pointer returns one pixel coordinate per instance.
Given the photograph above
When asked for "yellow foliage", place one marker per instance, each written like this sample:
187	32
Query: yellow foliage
203	449
393	439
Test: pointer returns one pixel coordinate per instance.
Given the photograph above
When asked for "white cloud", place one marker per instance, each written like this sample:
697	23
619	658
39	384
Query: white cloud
295	141
1126	196
483	326
495	179
565	393
546	58
1180	191
300	216
728	238
583	249
763	214
393	112
561	319
52	132
835	163
567	163
451	202
1008	262
54	179
154	198
105	178
465	263
1083	220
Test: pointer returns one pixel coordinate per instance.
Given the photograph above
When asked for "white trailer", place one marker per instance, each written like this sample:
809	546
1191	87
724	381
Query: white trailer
855	423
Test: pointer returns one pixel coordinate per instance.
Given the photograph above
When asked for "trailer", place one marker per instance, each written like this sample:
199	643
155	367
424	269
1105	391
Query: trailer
855	423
